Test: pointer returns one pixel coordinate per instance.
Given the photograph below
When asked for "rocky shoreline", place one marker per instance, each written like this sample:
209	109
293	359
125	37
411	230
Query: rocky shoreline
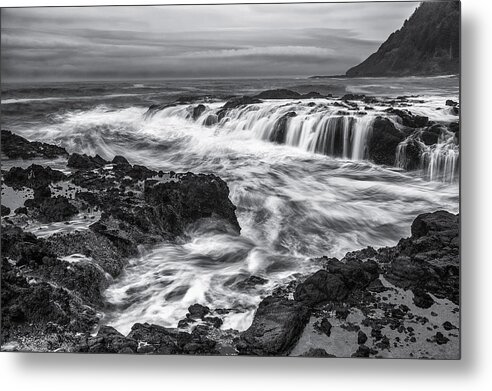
401	301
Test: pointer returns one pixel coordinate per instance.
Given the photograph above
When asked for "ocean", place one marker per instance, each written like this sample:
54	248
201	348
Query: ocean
296	201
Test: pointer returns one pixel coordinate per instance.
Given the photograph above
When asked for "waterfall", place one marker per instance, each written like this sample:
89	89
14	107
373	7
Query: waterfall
439	161
323	129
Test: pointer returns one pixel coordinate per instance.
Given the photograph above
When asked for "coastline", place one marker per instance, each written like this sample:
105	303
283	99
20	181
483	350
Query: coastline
372	305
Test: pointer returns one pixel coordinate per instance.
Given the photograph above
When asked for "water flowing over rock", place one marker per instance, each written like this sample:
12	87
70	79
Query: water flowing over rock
390	136
393	132
384	141
56	283
435	150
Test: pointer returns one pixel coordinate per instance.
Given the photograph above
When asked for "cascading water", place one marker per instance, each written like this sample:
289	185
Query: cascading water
320	129
293	202
323	129
439	161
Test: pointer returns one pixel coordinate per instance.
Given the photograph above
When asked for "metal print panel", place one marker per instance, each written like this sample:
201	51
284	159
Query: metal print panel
265	180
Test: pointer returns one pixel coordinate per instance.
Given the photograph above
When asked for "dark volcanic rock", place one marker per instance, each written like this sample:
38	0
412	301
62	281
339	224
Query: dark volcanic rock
197	111
234	103
85	162
429	137
448	326
211	119
440	339
363	352
5	210
55	209
86	242
384	141
23	247
413	155
441	224
452	103
163	211
408	119
321	287
276	327
118	159
251	282
347	97
197	311
278	94
325	326
422	299
17	147
32	306
355	274
240	101
280	128
108	340
193	197
428	261
317	352
338	281
35	177
156	339
361	337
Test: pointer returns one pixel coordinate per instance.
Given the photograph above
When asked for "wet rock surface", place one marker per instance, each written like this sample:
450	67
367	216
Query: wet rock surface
276	327
400	301
52	287
384	141
17	147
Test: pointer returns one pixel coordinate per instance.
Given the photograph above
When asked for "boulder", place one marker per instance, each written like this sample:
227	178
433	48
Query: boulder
325	326
355	274
322	286
384	141
197	311
121	160
441	224
211	120
85	162
197	111
428	261
154	339
5	210
277	325
361	337
422	299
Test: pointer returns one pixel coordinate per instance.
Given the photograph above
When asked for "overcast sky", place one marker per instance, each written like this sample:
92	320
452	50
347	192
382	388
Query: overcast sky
49	44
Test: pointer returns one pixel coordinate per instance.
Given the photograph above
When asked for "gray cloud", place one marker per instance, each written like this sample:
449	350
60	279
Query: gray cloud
74	43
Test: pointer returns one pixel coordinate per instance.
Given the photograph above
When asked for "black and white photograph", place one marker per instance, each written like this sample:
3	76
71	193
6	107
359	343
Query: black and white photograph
232	180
